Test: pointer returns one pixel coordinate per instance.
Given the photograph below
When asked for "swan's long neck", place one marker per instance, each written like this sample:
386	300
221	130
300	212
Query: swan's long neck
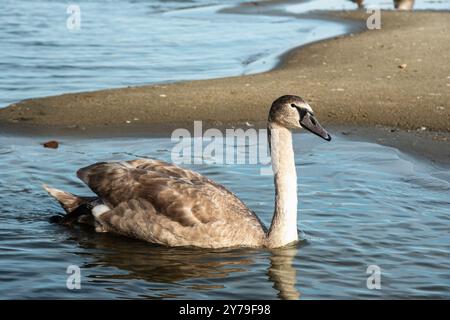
283	229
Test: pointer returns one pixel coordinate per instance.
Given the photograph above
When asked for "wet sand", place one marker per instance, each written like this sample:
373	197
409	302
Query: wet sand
353	80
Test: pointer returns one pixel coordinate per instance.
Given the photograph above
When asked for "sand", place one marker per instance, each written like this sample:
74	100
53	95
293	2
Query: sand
397	77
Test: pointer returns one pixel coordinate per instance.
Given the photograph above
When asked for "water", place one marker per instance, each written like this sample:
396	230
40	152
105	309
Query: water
134	42
360	204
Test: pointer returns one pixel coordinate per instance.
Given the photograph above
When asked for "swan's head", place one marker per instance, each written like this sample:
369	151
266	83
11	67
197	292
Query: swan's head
293	112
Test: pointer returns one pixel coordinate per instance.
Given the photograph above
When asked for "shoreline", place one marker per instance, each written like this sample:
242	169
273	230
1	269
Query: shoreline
429	146
351	81
329	74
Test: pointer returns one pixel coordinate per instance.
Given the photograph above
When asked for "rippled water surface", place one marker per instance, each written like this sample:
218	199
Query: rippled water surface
360	204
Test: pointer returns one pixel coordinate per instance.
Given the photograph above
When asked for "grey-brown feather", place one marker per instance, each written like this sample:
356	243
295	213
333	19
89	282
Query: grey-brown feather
162	203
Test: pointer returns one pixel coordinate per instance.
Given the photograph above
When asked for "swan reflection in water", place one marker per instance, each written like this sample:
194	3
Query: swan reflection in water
158	264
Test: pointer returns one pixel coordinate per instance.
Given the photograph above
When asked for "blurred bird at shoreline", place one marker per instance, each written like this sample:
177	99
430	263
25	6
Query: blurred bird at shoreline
398	4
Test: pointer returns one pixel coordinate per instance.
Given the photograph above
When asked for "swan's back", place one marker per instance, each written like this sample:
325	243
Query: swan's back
162	203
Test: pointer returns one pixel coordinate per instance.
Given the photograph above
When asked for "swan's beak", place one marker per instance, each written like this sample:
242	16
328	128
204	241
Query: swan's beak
311	124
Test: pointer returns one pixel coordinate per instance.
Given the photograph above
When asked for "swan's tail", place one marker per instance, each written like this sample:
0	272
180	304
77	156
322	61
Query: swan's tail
68	201
78	209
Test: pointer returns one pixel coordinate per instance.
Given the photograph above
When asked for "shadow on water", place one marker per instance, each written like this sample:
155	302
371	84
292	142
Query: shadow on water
159	264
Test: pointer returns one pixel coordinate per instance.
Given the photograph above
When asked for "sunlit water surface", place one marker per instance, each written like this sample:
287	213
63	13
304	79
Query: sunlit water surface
360	204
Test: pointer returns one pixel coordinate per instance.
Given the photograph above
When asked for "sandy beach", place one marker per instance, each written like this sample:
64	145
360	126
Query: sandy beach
394	78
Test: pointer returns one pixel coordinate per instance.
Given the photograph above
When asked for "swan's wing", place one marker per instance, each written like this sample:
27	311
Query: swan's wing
163	203
176	172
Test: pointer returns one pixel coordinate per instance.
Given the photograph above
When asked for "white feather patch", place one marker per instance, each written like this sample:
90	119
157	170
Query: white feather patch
97	211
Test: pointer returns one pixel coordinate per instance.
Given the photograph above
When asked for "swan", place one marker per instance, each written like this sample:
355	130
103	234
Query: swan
161	203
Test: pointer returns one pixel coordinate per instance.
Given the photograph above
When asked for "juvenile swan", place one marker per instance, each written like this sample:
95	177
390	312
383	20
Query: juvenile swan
162	203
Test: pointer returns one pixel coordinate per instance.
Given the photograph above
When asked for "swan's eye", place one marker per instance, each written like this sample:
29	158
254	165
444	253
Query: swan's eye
293	106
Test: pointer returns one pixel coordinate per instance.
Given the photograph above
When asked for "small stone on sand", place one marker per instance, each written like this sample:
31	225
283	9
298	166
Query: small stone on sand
403	66
52	144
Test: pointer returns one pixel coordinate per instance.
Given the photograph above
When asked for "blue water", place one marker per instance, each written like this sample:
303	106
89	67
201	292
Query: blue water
360	204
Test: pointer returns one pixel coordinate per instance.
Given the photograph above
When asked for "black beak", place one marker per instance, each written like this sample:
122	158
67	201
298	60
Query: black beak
310	123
